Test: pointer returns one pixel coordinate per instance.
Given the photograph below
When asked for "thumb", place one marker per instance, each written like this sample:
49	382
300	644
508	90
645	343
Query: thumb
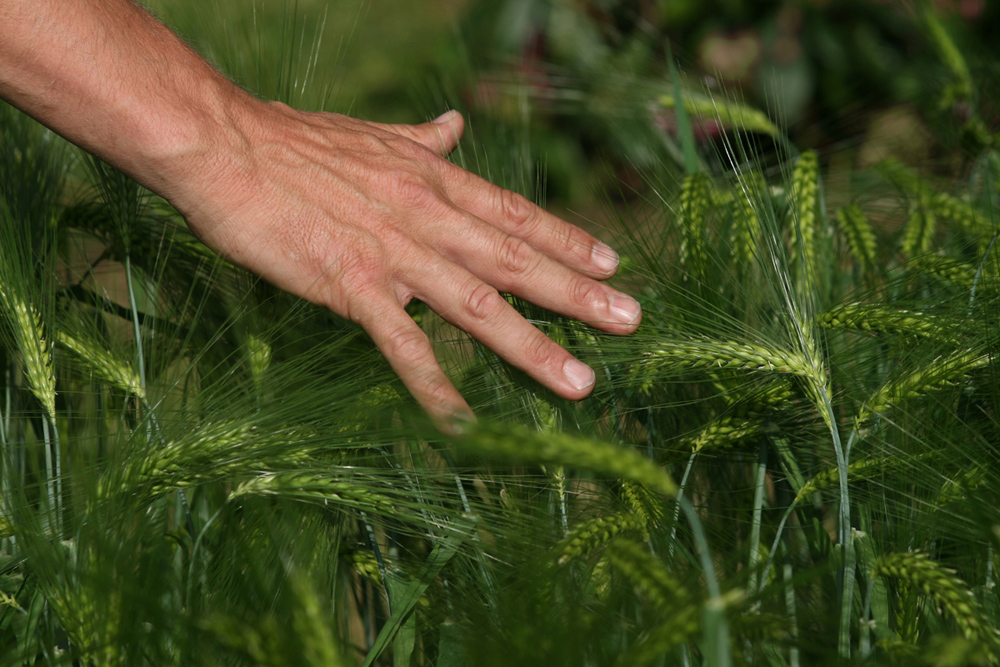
441	135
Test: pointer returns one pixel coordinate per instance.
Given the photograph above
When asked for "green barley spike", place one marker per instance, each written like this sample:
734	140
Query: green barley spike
694	201
258	352
642	504
365	564
521	444
710	354
648	574
315	487
805	200
857	471
948	591
938	374
883	320
961	87
25	322
588	536
957	489
955	271
902	177
721	433
107	366
951	208
747	201
857	230
918	235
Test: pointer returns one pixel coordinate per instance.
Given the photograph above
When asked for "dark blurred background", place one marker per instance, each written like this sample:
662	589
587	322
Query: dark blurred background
581	82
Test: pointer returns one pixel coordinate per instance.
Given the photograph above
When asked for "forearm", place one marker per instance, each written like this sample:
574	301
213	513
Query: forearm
112	79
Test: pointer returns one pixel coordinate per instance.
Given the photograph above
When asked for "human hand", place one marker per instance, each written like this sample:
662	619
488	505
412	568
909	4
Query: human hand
362	217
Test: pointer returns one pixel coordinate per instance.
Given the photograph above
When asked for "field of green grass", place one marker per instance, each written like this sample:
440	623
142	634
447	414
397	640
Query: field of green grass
794	461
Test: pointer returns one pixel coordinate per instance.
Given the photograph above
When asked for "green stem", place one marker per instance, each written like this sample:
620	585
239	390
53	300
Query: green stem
51	474
774	545
844	530
865	641
758	507
715	623
6	462
135	322
677	507
847	603
793	618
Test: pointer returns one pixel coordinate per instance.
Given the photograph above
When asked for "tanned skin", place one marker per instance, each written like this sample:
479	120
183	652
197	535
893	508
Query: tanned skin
356	216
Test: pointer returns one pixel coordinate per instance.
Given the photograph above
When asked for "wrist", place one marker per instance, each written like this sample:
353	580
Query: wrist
193	137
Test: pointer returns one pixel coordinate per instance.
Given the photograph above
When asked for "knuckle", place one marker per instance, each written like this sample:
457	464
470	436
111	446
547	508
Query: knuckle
412	190
405	140
438	389
363	266
515	256
541	352
574	241
517	210
482	302
586	293
409	344
355	278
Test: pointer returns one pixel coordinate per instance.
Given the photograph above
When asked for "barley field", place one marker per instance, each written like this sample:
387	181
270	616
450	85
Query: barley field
794	461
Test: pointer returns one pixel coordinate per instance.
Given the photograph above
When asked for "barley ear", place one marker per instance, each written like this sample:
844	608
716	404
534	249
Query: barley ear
723	433
694	201
918	234
589	535
643	504
857	230
948	591
882	320
746	228
805	202
25	322
648	574
954	271
940	373
518	443
107	366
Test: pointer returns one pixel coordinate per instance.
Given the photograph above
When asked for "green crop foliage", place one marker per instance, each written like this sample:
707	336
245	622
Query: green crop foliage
793	461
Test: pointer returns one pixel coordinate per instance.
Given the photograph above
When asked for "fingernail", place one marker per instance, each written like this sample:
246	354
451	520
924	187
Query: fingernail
624	308
460	423
604	258
579	374
445	117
